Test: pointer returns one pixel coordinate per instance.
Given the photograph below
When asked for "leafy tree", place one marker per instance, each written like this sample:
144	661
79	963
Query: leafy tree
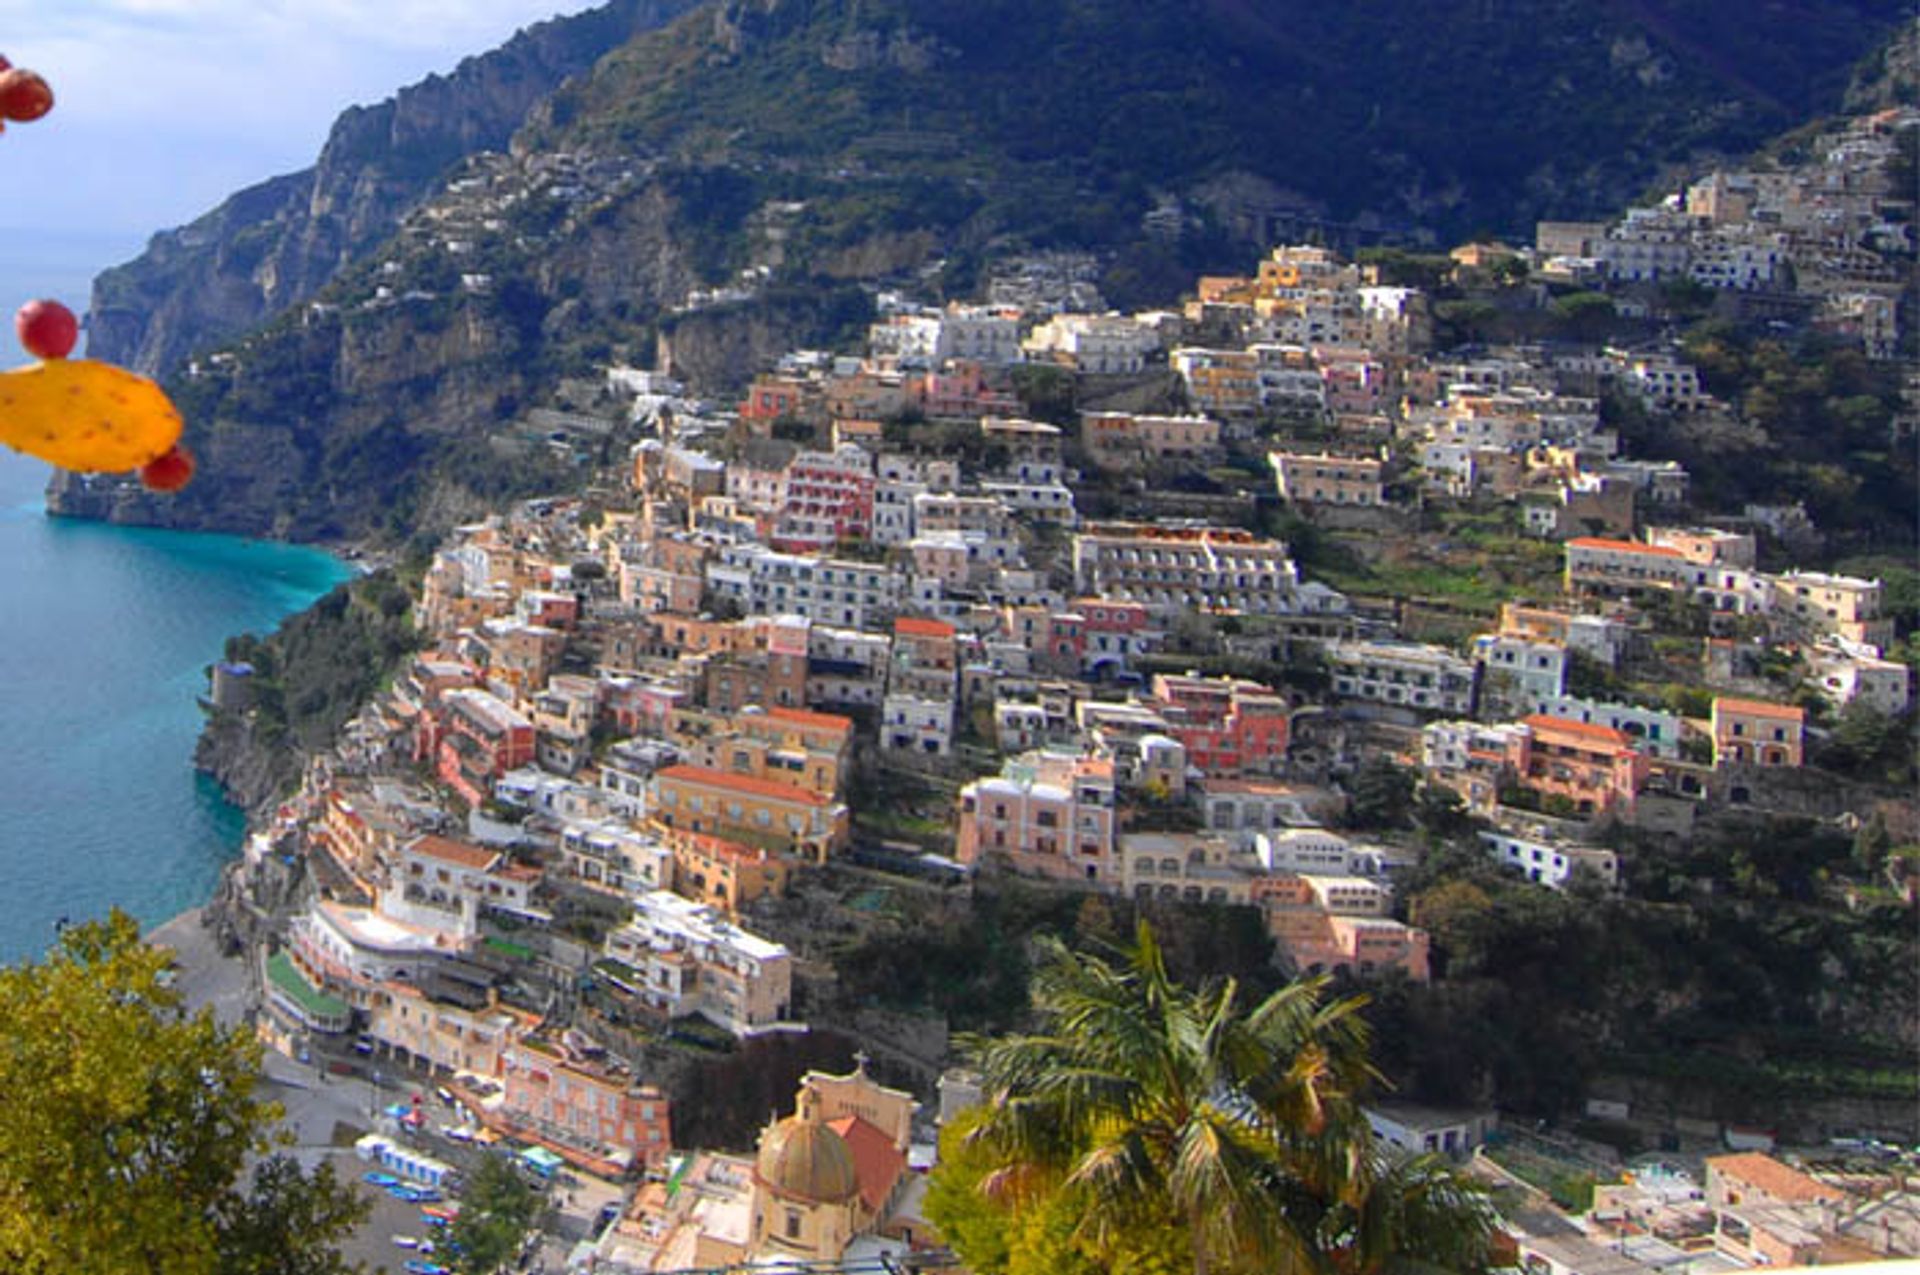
1159	1109
1380	795
497	1210
129	1123
271	1229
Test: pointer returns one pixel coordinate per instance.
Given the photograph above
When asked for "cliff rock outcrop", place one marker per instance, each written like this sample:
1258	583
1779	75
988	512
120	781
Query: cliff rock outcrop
278	243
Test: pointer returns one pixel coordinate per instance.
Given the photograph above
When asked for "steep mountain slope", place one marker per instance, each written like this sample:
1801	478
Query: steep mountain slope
826	144
1396	113
278	243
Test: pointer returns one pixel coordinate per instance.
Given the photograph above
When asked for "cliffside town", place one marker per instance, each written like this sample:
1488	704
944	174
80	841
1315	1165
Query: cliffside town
1276	602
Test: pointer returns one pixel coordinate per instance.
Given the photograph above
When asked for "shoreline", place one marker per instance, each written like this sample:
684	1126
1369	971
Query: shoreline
206	977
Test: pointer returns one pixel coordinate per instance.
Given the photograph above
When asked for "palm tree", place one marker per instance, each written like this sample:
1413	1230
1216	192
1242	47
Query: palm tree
1169	1106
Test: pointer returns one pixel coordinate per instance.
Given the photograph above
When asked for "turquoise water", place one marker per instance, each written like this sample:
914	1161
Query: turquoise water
105	635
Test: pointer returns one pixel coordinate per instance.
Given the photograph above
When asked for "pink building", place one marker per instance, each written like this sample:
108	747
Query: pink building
572	1099
827	497
1318	939
1112	632
1045	814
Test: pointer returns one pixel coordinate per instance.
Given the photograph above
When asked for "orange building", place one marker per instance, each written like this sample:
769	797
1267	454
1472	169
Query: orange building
1594	767
1749	732
724	873
755	811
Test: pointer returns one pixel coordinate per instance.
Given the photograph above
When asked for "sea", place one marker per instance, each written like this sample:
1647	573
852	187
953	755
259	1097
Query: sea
106	635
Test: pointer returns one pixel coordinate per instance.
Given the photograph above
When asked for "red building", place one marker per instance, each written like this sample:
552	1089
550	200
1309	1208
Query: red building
480	738
1229	727
1111	633
829	498
771	397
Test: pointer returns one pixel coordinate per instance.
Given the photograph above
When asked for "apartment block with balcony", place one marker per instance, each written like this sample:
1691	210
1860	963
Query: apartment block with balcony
441	884
677	958
445	1036
1185	867
1413	675
614	856
480	738
1595	769
1046	814
1321	478
1755	733
755	812
1172	569
1230	728
1846	606
585	1102
794	746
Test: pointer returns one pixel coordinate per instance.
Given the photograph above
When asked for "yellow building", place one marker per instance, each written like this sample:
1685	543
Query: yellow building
832	1170
757	812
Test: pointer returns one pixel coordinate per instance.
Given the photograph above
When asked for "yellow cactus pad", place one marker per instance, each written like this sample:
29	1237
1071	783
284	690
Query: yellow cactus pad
85	415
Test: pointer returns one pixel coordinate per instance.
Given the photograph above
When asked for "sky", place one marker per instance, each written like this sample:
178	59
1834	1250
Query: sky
165	107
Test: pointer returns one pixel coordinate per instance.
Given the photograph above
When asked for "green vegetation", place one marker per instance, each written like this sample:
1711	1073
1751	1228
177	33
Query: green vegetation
947	95
317	669
130	1124
498	1208
968	961
1718	953
723	1099
1821	431
1150	1126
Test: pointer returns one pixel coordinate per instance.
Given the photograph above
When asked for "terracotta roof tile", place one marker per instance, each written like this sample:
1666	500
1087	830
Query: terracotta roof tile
807	717
450	851
877	1163
1782	1182
1567	726
1623	546
912	626
1759	708
743	784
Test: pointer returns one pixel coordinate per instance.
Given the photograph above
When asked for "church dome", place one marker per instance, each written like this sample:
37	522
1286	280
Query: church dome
800	1156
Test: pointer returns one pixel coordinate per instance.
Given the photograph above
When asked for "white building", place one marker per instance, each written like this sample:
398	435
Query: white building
688	959
1520	668
1404	674
913	724
1306	851
616	856
1549	862
1847	672
1423	1130
825	590
443	885
1246	807
1099	344
1172	569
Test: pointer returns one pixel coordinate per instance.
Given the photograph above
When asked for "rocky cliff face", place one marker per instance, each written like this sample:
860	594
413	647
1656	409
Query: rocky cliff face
395	407
279	243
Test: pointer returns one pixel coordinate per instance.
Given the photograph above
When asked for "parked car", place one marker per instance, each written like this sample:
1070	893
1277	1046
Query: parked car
383	1180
